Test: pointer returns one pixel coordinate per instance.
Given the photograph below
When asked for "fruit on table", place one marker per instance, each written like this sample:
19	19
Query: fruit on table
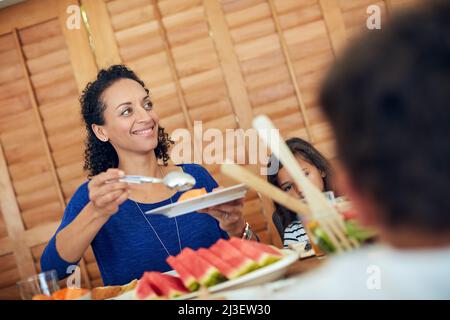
323	241
169	286
226	259
63	294
145	290
355	231
237	259
204	272
352	228
60	294
42	297
186	277
224	267
263	255
193	193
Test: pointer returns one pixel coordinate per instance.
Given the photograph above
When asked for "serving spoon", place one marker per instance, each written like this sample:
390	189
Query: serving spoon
179	181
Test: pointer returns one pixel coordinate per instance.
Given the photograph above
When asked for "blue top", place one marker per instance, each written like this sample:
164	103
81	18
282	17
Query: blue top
126	246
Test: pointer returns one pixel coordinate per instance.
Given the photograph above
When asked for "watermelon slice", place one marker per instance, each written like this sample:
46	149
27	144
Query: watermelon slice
262	254
146	291
186	277
241	263
169	286
204	272
224	267
266	248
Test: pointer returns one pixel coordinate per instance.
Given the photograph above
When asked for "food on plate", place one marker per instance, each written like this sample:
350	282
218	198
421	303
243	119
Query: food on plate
262	254
63	294
235	257
146	291
156	285
60	294
224	267
197	270
129	286
186	277
204	272
103	293
193	193
74	293
352	227
42	297
108	292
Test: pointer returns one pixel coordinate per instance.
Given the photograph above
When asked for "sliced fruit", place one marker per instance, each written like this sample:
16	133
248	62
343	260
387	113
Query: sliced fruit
361	234
145	290
186	277
192	194
349	214
60	294
241	263
265	247
261	253
312	224
323	241
224	267
169	286
41	297
204	272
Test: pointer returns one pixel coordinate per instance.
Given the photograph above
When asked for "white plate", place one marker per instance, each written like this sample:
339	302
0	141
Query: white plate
263	275
201	202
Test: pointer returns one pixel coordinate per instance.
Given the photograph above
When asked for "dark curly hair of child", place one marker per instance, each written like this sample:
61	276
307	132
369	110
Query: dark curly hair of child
100	156
282	216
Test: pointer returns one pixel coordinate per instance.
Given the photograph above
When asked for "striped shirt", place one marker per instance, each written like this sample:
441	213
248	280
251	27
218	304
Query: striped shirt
295	233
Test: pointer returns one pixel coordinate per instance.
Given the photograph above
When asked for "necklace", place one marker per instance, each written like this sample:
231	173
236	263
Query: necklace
154	230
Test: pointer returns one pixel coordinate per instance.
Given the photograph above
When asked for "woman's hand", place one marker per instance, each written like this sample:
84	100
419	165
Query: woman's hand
229	216
107	193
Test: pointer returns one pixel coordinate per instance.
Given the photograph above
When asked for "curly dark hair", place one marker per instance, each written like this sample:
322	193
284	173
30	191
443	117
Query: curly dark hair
307	152
387	99
100	156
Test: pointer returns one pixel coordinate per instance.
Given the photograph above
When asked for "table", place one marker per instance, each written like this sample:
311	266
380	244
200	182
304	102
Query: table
305	265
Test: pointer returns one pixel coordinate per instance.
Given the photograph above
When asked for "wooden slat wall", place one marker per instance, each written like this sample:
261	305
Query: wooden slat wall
216	61
40	81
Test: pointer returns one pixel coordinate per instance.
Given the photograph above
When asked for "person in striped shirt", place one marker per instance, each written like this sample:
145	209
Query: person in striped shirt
317	169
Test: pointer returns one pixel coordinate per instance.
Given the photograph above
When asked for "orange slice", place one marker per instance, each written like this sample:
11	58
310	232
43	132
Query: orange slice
192	194
41	297
60	294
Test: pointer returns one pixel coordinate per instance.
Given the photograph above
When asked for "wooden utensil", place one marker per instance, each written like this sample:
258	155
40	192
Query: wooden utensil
245	176
322	210
260	185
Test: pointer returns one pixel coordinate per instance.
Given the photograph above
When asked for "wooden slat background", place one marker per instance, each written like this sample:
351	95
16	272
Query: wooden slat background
219	62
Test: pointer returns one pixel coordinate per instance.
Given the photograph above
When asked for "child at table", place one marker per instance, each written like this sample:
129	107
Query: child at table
387	99
317	169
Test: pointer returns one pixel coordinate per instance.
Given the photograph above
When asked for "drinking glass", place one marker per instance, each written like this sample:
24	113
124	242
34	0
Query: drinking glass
44	283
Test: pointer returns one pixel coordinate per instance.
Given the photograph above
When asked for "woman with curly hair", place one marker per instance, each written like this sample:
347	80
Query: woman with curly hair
124	137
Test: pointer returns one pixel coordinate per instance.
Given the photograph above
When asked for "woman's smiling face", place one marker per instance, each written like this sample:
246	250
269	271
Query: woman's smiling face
130	122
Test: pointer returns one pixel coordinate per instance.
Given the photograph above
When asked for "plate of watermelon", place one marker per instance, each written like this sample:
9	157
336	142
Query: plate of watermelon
228	264
197	199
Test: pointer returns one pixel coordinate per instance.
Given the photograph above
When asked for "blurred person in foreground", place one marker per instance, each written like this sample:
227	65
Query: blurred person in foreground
388	101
